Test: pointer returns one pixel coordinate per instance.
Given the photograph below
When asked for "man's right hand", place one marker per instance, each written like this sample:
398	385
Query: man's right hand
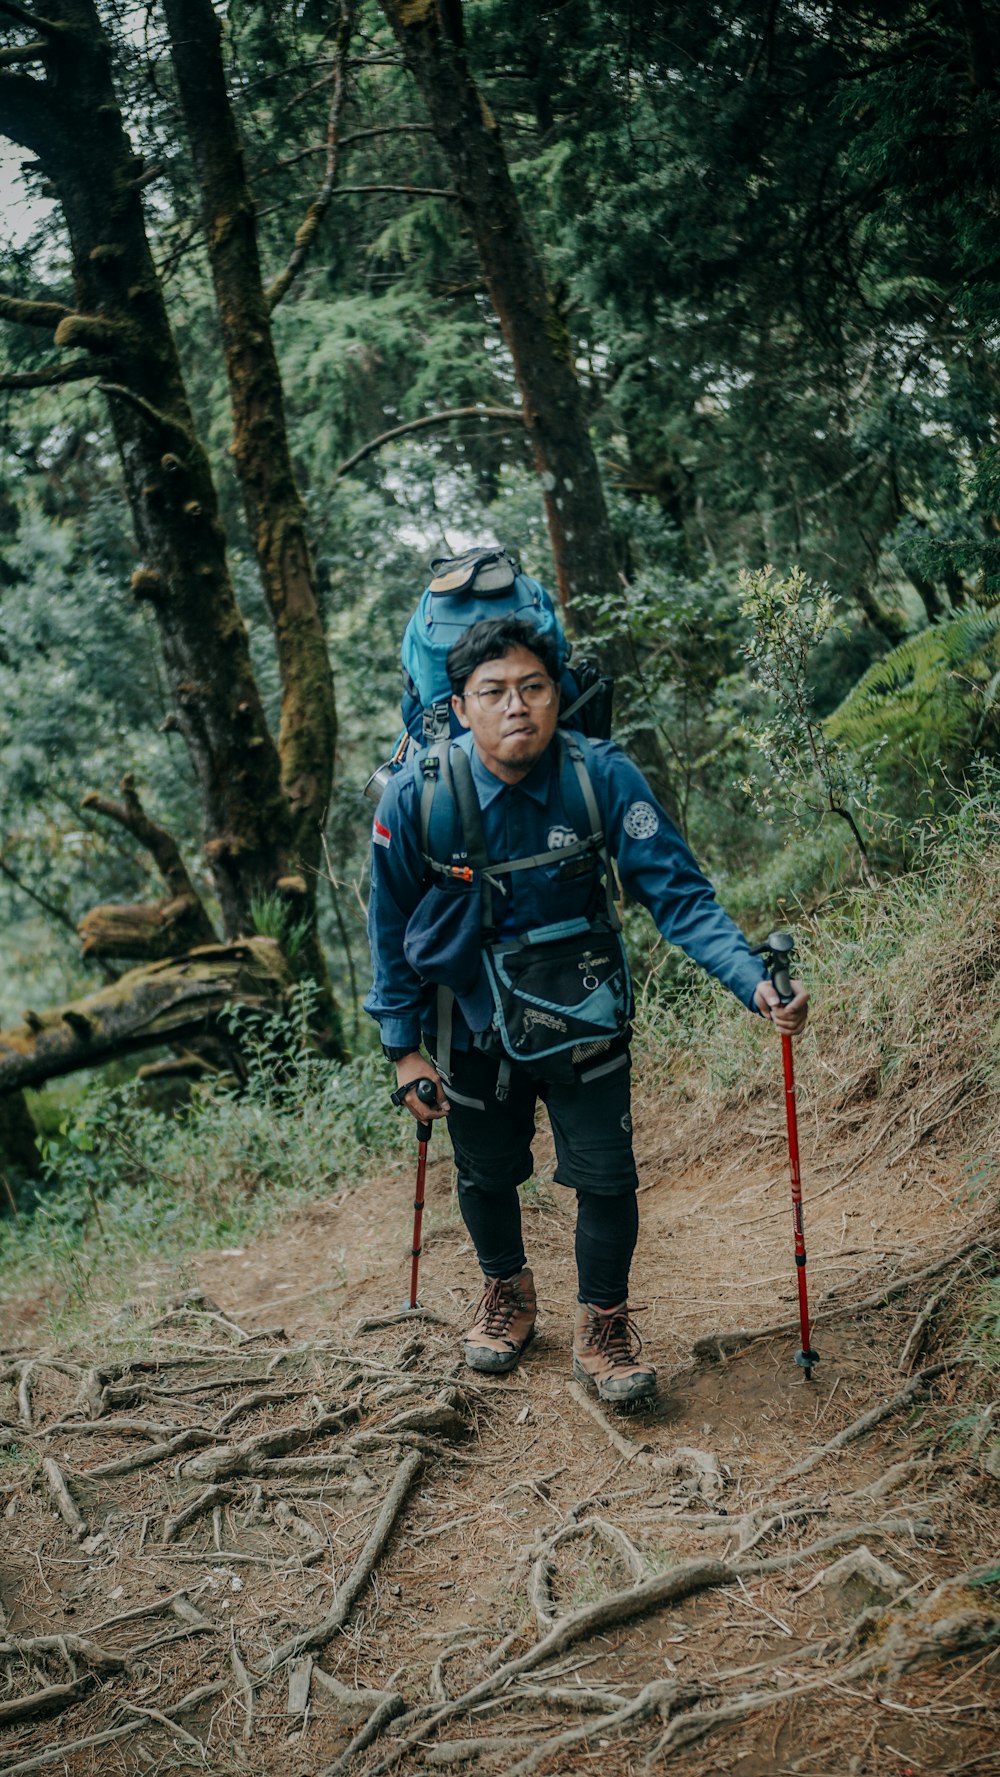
416	1067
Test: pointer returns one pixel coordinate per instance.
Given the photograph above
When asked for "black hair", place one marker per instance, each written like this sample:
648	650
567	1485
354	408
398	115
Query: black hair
491	640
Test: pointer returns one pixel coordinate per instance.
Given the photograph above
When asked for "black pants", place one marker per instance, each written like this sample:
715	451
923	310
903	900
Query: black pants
591	1123
606	1230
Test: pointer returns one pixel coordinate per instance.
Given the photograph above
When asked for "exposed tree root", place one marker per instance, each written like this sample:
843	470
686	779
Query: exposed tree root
654	1699
196	1508
224	1461
700	1465
903	1641
617	1607
719	1345
55	1754
376	1323
867	1422
310	1639
66	1505
461	1752
365	1432
540	1581
24	1394
178	1603
921	1326
51	1701
154	1453
385	1711
906	1644
69	1647
668	1588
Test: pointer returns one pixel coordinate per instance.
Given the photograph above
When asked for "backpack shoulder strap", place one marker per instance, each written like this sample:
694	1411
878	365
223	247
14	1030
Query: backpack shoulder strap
447	777
576	751
469	812
430	764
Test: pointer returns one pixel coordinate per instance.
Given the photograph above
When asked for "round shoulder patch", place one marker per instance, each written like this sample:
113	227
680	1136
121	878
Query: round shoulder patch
641	821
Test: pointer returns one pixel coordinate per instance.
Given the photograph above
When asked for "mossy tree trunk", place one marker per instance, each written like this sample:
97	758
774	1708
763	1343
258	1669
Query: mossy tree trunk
263	801
431	37
274	508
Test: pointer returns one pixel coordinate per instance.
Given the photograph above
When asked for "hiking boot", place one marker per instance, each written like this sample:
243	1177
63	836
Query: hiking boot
503	1324
606	1347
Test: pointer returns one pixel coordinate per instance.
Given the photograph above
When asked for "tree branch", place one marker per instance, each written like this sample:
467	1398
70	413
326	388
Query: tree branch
25	16
77	372
408	190
23	52
163	1004
32	314
29	117
118	392
161	845
306	234
420	425
382	129
149	930
57	913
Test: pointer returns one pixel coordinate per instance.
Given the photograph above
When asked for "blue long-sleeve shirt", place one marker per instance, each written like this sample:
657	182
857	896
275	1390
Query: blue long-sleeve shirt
535	815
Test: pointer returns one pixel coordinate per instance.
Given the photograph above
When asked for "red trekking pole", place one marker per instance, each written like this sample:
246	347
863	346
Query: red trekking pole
427	1093
777	954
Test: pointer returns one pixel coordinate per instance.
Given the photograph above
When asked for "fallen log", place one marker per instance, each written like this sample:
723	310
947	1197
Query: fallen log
163	1003
147	930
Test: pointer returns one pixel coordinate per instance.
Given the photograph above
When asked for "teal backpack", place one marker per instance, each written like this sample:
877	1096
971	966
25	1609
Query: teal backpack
467	589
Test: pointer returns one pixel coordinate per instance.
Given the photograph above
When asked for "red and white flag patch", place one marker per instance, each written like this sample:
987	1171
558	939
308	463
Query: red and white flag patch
380	833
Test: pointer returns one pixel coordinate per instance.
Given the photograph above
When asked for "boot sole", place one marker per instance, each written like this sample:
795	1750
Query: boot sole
639	1390
505	1362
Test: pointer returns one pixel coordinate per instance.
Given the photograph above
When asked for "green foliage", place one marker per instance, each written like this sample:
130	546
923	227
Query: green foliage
272	918
18	1463
935	695
982	1335
125	1180
807	768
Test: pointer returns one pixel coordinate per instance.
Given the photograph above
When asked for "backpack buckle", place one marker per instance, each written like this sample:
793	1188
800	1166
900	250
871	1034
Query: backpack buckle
437	721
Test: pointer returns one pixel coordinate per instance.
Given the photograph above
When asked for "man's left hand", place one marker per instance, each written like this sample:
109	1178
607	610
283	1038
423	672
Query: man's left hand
789	1019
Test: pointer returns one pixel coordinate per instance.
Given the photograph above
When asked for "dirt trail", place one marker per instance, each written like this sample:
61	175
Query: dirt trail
375	1537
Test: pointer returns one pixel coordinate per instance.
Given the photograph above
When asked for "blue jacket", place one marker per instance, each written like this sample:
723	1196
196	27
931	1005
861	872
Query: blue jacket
535	815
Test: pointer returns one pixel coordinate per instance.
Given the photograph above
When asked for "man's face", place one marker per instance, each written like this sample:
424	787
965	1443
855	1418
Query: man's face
504	705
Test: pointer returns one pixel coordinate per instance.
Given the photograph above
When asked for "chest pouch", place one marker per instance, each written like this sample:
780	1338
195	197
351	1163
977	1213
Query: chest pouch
558	987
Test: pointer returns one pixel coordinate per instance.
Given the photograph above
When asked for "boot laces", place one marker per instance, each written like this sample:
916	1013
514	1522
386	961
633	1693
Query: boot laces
497	1307
617	1337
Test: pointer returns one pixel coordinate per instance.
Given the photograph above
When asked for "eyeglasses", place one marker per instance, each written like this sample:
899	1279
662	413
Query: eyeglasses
536	694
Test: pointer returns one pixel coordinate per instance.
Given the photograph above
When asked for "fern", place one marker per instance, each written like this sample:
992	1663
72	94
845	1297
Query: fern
940	683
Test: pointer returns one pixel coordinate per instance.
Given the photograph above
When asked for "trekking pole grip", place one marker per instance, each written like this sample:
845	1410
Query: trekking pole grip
776	954
427	1094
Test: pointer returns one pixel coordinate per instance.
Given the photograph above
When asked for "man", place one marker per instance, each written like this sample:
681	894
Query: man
504	678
